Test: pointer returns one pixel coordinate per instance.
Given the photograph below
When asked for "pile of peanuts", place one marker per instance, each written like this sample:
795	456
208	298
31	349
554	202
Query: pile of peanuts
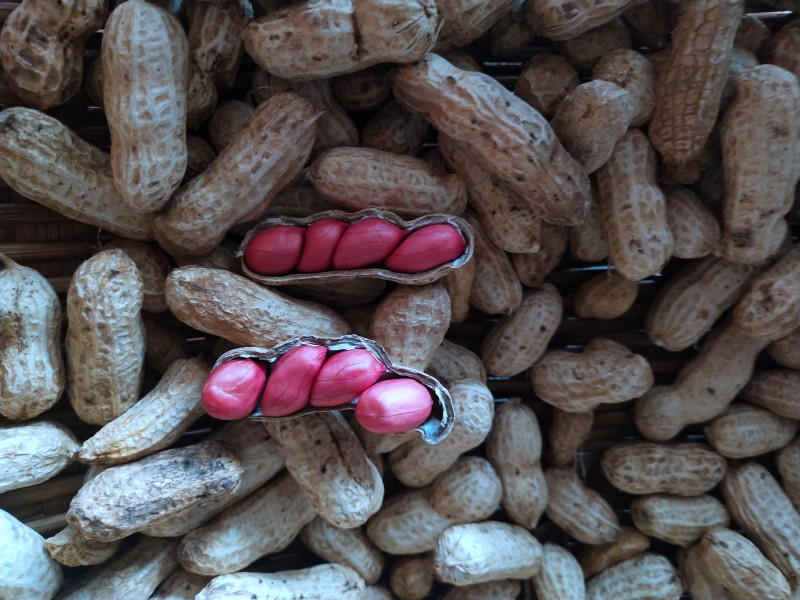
641	137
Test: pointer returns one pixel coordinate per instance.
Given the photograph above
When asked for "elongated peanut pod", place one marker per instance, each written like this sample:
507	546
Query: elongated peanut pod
26	569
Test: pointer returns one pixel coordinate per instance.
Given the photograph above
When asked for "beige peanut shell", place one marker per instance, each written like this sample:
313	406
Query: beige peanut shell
560	576
71	549
26	569
533	268
32	453
695	229
228	119
557	21
411	577
567	432
366	89
507	37
605	296
631	71
648	575
545	80
744	431
464	21
597	558
786	350
677	520
783	47
394	129
153	265
776	390
32	375
349	547
585	49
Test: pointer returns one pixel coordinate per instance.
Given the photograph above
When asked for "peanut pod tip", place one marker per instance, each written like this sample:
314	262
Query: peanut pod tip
418	252
324	380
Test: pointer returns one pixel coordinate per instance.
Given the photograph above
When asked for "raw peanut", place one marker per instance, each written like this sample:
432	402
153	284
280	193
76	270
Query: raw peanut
331	467
488	551
741	62
181	585
233	389
738	565
155	421
518	340
410	323
215	53
366	89
496	288
776	390
651	22
770	307
693	299
412	521
248	314
752	126
153	265
334	128
508	36
704	387
134	573
464	21
783	47
320	39
394	129
344	376
580	511
263	523
164	346
458	283
349	547
634	209
584	50
105	337
605	372
145	84
290	382
744	431
588	240
45	161
645	576
560	576
31	365
557	21
359	178
322	582
675	519
31	453
426	248
229	118
591	119
751	34
411	577
477	110
42	48
605	296
508	220
695	229
567	432
544	81
686	469
199	154
628	544
762	509
320	241
787	460
514	448
416	463
533	268
463	59
123	499
393	406
365	243
265	156
700	584
689	85
260	460
502	589
71	549
26	570
451	362
786	350
631	71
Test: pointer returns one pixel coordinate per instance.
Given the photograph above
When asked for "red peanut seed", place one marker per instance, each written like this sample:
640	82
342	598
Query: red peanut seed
275	251
366	243
231	391
344	376
394	406
320	242
289	384
427	248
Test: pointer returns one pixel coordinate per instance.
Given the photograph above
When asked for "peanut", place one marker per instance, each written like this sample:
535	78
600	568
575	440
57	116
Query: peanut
349	547
588	240
31	364
275	251
648	575
145	81
751	34
393	406
585	49
675	519
365	243
631	71
507	37
786	350
544	81
695	229
229	118
650	22
605	296
557	21
344	376
426	248
743	431
181	585
233	389
320	241
787	461
366	89
71	549
534	267
567	432
464	21
394	129
776	390
502	589
26	570
34	452
628	544
411	577
560	576
781	48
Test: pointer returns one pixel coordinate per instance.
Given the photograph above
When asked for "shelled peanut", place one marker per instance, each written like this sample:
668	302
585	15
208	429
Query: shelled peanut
526	185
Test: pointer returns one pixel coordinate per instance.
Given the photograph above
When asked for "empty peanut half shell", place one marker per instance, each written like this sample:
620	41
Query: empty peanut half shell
433	430
376	271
